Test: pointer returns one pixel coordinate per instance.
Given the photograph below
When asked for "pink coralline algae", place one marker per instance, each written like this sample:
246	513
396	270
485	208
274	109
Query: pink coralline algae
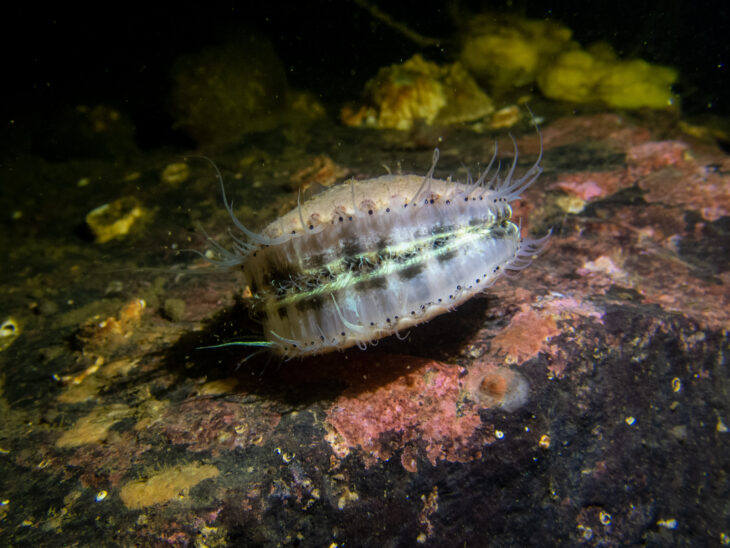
605	127
705	191
526	335
428	409
589	185
671	175
657	276
674	286
533	328
670	172
651	156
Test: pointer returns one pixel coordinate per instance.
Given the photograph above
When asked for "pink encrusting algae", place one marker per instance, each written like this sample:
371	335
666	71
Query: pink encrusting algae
589	186
433	407
525	335
669	172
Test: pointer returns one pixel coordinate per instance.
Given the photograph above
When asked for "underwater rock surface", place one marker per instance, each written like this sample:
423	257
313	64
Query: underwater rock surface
583	402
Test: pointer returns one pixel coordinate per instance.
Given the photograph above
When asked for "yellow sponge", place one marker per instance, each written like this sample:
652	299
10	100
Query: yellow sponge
636	84
508	51
583	77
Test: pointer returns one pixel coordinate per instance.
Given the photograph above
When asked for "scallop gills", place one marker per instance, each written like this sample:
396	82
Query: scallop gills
368	259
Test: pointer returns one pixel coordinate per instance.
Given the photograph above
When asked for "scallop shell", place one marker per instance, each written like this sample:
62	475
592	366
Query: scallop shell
367	259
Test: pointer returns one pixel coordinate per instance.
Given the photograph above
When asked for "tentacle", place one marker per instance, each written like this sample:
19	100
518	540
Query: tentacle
480	181
227	258
426	184
254	237
299	208
250	356
355	209
404	337
283	339
507	183
529	250
511	189
349	325
264	344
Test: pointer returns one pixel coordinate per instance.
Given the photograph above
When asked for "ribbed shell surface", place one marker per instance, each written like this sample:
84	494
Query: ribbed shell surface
365	259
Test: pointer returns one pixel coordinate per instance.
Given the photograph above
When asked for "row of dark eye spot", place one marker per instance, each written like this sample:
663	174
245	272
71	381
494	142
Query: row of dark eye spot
388	320
425	202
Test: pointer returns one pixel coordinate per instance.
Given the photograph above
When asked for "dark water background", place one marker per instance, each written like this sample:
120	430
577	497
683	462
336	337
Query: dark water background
121	54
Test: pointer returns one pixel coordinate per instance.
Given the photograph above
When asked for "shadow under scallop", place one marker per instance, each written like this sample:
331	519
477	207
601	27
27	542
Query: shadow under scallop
299	382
